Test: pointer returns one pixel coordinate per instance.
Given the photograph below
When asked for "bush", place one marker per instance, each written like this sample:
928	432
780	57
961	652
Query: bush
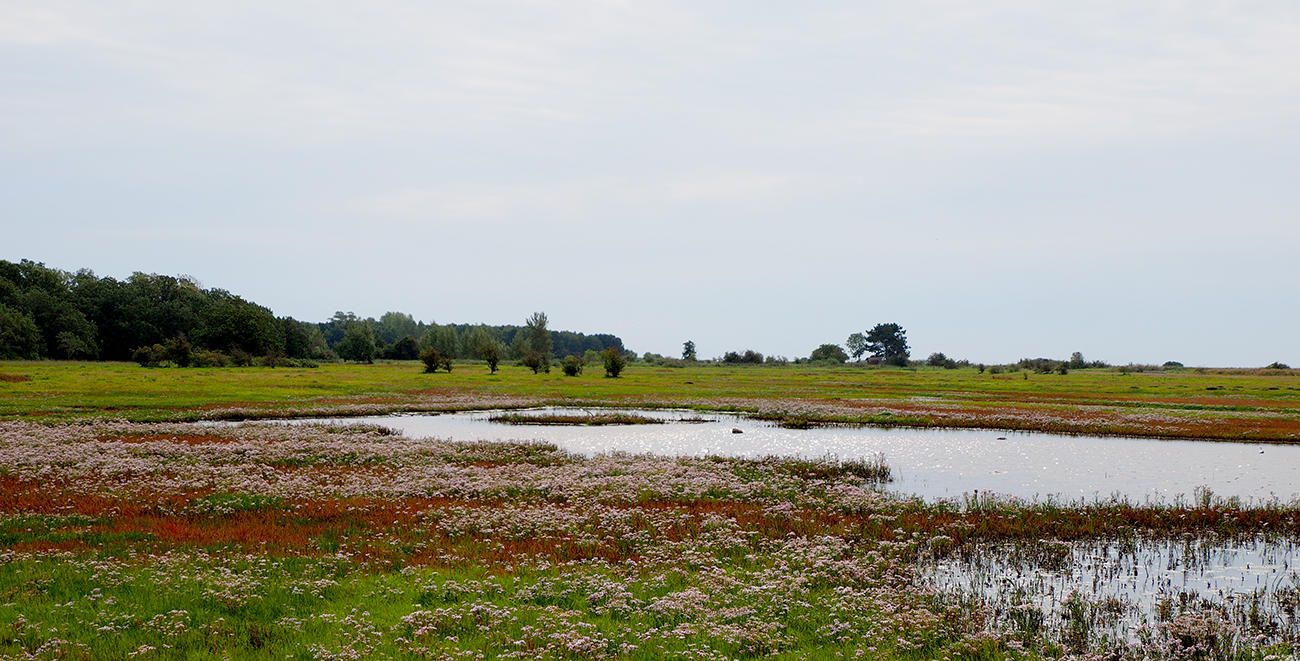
150	356
241	358
276	359
939	360
1172	364
433	361
749	356
491	352
205	358
572	365
829	352
1278	366
178	351
614	362
535	361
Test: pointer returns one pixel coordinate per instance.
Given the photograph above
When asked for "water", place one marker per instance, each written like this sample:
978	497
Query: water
1254	581
928	463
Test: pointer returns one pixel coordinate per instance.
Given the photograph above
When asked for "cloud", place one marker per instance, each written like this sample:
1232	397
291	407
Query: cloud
927	70
589	199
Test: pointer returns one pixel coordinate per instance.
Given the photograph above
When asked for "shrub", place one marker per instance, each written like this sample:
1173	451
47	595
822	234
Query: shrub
241	358
491	352
939	360
535	361
205	358
572	365
178	351
614	362
749	356
433	361
1172	364
1278	366
275	359
994	369
150	356
829	352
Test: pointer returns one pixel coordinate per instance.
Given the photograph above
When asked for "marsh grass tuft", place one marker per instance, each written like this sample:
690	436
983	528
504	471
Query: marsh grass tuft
582	420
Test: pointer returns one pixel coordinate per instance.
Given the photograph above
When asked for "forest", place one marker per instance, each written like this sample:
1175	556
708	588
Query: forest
49	313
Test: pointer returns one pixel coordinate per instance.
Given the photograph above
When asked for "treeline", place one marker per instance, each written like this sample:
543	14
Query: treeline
49	313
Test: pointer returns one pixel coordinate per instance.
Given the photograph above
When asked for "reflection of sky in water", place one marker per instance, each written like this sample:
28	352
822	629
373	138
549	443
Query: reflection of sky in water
930	463
1225	572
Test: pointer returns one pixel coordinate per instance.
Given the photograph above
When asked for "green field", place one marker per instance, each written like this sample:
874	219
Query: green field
1226	404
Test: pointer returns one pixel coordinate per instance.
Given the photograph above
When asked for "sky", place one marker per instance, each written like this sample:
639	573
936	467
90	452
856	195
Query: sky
1004	179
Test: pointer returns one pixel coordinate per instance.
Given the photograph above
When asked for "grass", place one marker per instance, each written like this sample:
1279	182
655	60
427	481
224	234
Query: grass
207	546
126	532
1260	405
582	420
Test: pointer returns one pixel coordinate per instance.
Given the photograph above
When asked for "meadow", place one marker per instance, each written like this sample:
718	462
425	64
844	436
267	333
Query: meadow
129	531
1260	405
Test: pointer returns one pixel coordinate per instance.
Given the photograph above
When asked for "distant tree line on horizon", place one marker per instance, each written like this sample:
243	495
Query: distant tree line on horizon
157	319
48	313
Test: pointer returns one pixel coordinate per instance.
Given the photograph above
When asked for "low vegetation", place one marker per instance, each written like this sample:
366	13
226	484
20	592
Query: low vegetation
580	420
125	540
1258	405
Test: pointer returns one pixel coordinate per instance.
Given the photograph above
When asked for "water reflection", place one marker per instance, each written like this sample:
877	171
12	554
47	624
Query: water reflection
928	463
1116	587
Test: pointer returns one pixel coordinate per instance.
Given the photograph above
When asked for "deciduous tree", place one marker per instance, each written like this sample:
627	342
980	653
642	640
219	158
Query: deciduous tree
857	344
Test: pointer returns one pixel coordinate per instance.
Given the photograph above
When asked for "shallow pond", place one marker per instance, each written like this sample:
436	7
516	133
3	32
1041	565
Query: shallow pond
940	463
1112	587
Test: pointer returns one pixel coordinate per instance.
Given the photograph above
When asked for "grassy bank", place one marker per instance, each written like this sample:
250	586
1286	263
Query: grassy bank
1258	405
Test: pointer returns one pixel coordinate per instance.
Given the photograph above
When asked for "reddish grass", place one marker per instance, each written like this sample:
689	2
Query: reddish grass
299	527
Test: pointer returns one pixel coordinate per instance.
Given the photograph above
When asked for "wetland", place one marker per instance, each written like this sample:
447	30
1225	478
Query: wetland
137	521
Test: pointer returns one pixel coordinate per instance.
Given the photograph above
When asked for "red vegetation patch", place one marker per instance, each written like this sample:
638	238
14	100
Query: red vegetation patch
15	378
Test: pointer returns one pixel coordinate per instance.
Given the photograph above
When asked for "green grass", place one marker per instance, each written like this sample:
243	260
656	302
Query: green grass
1211	405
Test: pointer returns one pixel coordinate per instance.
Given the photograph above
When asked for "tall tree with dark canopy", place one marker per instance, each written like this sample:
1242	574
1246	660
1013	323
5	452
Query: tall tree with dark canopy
888	342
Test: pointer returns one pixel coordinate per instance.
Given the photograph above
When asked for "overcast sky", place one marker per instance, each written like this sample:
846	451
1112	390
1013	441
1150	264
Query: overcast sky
1003	179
